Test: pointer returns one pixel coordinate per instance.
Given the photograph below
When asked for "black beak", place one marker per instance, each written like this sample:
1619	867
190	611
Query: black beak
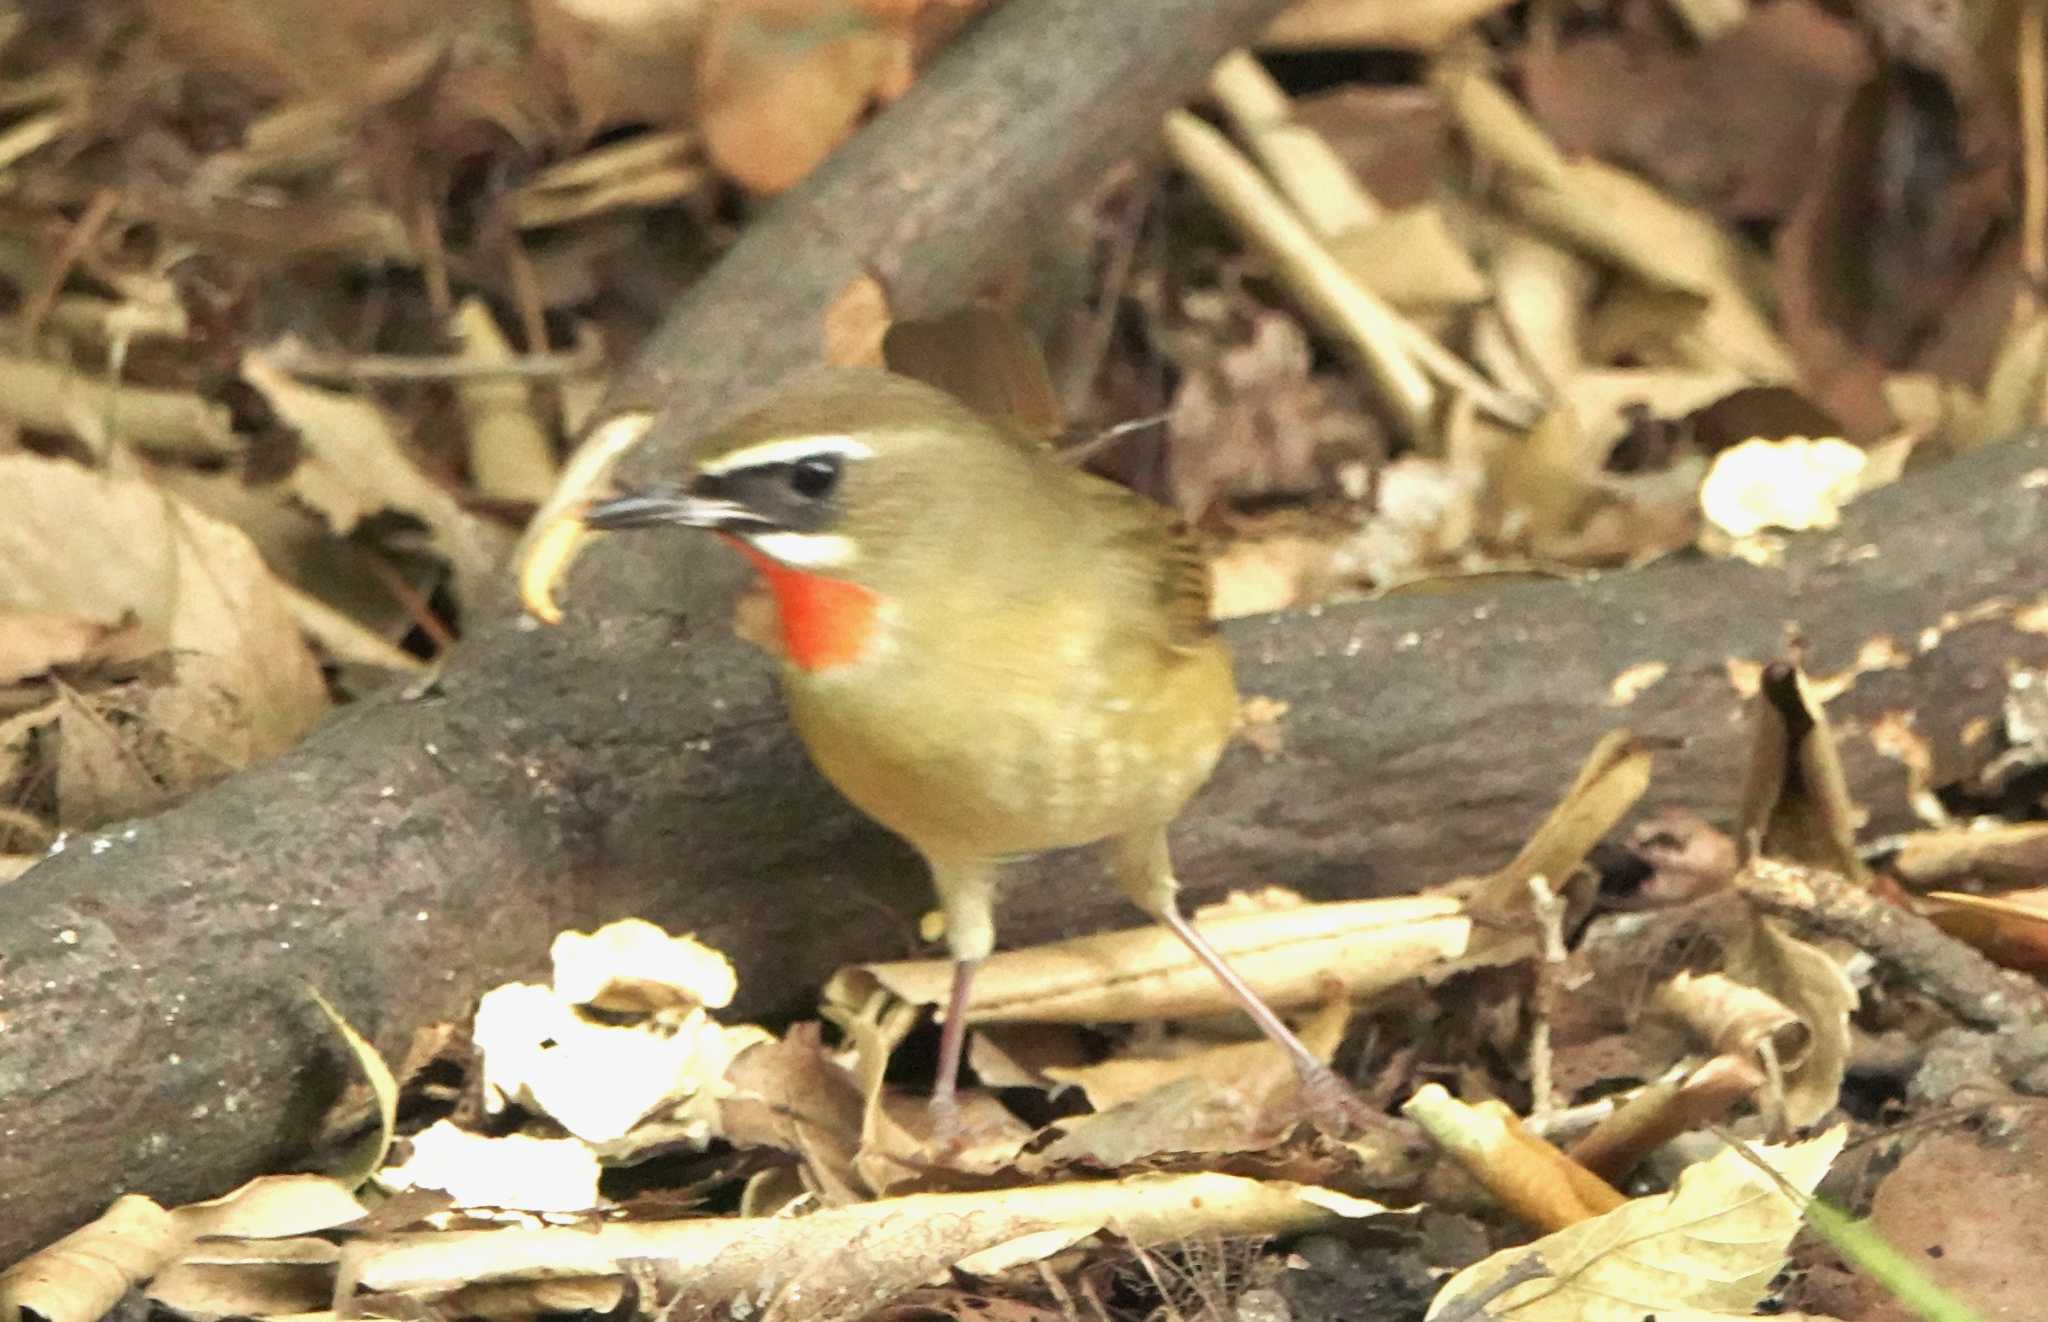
662	506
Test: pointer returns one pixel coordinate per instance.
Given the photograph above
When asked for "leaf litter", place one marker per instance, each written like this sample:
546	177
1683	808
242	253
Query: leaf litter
1509	308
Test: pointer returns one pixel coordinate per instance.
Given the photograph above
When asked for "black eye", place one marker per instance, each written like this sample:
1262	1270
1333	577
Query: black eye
814	476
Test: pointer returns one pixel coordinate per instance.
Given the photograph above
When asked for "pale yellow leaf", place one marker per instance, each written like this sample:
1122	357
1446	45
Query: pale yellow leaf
1705	1252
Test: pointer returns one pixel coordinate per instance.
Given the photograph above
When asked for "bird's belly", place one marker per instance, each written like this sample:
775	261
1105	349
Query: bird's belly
1030	770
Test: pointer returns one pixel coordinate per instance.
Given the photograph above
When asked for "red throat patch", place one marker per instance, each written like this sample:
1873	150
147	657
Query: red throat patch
825	622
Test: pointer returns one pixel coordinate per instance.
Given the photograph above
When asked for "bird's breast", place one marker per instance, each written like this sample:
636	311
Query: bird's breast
995	751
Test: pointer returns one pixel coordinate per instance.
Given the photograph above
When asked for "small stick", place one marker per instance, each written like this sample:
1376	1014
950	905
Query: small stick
317	365
1549	911
77	240
1963	981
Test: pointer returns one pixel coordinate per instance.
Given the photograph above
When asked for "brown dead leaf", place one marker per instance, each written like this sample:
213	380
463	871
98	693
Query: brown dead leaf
789	1095
1256	1073
2008	854
1795	802
1964	1206
1247	422
782	82
355	466
621	63
241	683
2011	929
1733	125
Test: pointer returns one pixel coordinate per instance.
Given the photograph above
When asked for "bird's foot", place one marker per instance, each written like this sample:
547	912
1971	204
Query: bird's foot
948	1133
1332	1105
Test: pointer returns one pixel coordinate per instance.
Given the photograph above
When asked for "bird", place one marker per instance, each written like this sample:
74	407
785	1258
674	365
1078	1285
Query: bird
989	652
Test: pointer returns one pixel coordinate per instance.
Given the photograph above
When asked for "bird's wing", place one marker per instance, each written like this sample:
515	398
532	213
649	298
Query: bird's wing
1155	559
984	359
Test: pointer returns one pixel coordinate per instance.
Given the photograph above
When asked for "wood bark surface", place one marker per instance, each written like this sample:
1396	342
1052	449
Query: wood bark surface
419	848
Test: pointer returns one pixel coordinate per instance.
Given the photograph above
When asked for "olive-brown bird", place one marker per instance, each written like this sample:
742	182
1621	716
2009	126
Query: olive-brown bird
989	652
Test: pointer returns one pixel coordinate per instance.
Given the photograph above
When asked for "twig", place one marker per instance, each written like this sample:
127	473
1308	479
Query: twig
1304	167
1549	910
1960	979
1310	174
48	397
317	365
2033	116
414	605
77	239
1328	292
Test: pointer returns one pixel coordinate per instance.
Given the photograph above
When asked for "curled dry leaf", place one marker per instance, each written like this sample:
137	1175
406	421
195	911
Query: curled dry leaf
1707	1251
1531	1178
600	1080
1809	982
847	1260
354	465
634	965
1289	956
237	684
1795	801
83	1275
556	533
1732	1017
1796	483
516	1171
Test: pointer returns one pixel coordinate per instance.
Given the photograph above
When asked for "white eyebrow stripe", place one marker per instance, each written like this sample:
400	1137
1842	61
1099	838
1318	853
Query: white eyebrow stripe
786	450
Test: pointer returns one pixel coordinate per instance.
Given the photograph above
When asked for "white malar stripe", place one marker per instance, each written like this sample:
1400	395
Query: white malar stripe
806	550
786	450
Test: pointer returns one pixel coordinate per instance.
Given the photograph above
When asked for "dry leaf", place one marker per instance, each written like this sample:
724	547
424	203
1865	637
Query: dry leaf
34	642
1795	802
511	453
355	466
2011	929
790	1095
270	1207
1531	1178
515	1171
1422	25
1795	483
1809	982
1289	956
600	1080
634	965
2004	854
1254	1073
1705	1252
851	1259
242	684
83	1275
621	62
782	83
